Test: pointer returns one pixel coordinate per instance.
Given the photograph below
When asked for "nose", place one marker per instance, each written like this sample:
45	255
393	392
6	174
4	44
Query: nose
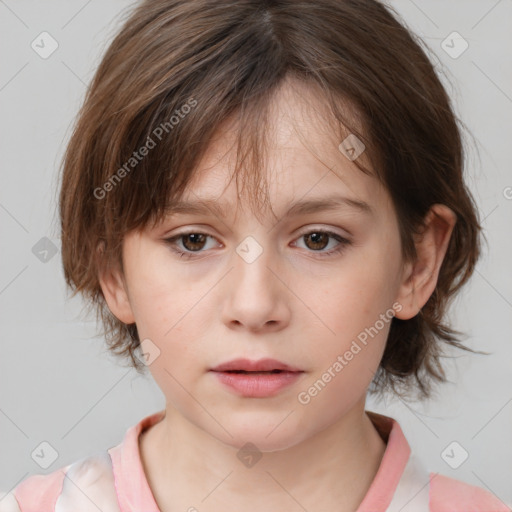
256	297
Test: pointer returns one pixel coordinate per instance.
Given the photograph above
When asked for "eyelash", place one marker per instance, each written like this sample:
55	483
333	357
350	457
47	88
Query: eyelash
343	243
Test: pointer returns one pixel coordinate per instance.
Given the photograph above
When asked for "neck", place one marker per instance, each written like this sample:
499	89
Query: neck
333	469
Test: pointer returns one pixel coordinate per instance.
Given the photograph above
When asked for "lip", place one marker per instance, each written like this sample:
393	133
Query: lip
262	365
256	384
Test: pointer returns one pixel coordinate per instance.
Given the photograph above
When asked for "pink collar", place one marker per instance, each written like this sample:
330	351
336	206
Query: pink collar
134	492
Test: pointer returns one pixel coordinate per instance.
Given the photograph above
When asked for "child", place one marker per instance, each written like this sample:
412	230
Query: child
266	311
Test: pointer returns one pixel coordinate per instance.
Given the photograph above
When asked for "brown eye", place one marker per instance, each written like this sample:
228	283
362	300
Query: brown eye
318	240
193	241
186	244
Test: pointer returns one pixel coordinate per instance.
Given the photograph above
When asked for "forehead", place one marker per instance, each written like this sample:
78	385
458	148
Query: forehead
301	163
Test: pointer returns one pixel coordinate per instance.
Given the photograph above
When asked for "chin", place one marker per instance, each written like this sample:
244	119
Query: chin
266	436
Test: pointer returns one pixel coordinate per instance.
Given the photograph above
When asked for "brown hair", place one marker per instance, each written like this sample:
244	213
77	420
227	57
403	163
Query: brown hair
179	69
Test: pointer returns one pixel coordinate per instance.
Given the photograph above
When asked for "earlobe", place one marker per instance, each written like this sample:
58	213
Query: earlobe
116	296
420	277
406	297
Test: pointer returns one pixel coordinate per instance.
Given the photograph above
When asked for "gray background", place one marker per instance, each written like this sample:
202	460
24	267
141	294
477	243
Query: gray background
57	382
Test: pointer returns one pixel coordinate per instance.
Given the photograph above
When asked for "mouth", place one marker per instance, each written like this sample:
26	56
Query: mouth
256	379
264	366
253	372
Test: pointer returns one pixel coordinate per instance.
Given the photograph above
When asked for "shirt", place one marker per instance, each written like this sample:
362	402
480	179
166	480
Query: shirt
113	480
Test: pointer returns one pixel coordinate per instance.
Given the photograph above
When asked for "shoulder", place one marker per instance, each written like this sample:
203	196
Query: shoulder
35	491
8	503
451	495
78	486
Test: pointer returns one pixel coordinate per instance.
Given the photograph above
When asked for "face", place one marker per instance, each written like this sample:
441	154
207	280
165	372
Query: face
314	289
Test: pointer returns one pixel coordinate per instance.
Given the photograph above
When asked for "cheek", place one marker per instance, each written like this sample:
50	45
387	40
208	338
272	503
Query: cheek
342	379
168	311
353	314
356	292
158	294
346	363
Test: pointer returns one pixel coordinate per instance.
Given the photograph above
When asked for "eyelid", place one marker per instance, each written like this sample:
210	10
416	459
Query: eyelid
328	229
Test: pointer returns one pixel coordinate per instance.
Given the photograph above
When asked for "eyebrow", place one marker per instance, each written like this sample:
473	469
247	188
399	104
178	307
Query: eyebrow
328	203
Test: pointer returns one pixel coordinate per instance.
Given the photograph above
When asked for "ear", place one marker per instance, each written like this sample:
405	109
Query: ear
419	278
114	290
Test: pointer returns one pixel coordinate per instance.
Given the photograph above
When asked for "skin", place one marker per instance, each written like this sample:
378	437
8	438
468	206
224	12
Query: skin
290	304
